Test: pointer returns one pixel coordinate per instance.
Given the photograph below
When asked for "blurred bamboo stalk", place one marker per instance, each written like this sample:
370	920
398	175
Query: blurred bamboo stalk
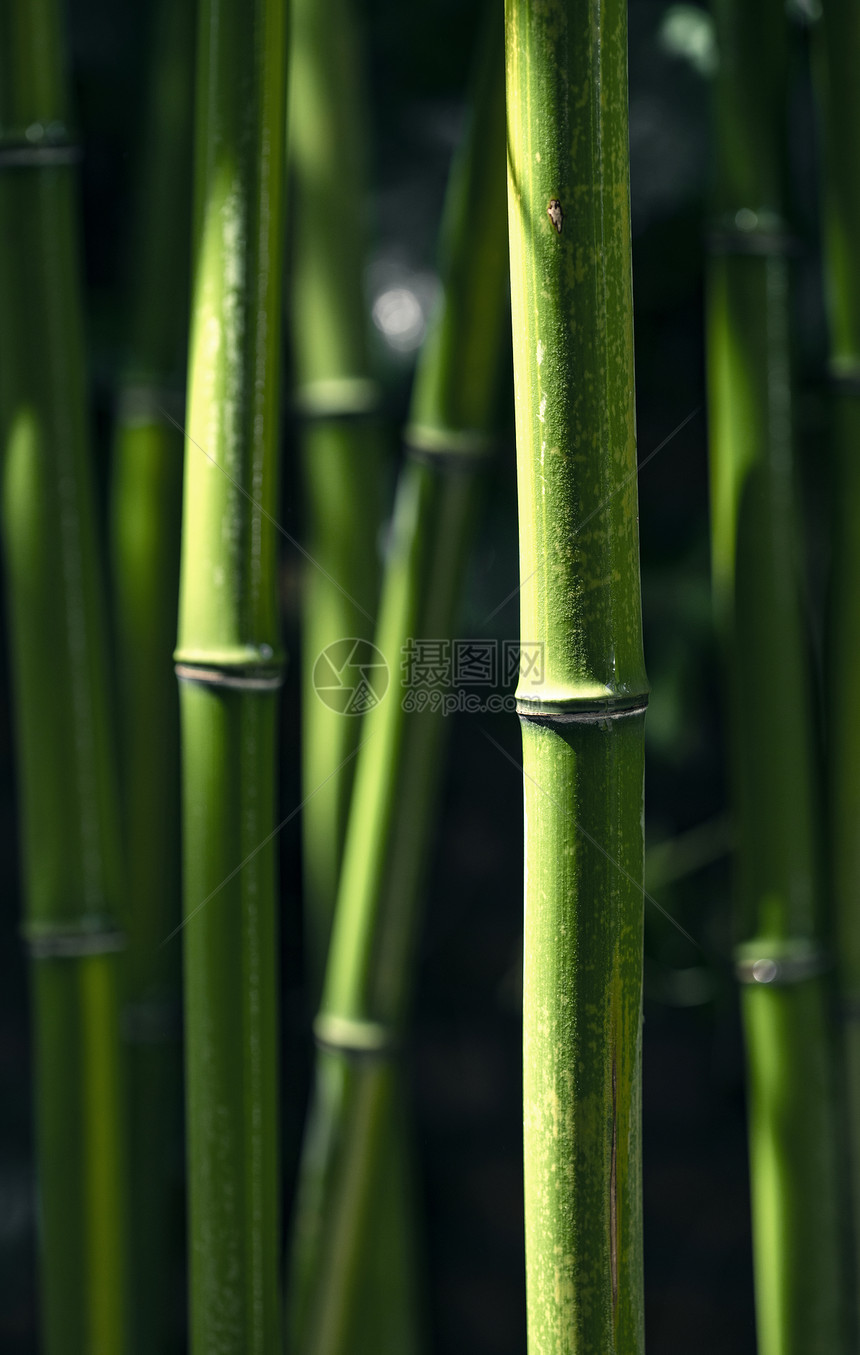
347	1156
229	663
341	439
837	50
342	448
145	515
793	1122
582	705
71	847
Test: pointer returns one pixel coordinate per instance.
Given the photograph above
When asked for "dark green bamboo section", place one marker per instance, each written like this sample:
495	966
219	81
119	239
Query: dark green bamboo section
229	662
341	440
582	706
756	566
348	1156
71	851
837	52
145	515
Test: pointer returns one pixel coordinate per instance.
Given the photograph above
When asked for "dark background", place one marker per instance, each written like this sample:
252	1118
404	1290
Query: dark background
465	1054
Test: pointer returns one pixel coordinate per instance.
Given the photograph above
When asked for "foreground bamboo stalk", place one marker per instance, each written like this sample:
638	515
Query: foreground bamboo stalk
582	705
837	51
792	1111
341	435
144	518
229	663
368	978
72	869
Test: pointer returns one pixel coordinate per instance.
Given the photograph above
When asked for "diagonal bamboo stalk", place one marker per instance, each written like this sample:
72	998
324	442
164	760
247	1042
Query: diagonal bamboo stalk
368	977
582	711
71	850
229	664
837	47
797	1240
145	513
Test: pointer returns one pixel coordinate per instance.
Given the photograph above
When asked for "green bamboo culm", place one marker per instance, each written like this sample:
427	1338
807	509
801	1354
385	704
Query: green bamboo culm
582	689
836	51
145	512
342	448
353	1141
341	438
229	662
71	848
797	1243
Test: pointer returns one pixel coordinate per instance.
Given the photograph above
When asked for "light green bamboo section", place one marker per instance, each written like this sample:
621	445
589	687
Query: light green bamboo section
341	440
145	513
582	703
72	869
350	1150
229	662
837	52
797	1243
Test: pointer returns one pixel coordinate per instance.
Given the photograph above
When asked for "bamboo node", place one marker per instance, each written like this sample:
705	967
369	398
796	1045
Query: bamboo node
62	943
247	679
775	966
343	399
355	1037
448	448
747	232
585	712
39	146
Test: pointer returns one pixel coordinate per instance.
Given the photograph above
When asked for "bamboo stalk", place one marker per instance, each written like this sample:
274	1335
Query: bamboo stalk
582	713
368	976
144	518
780	959
71	850
341	442
229	663
342	453
837	46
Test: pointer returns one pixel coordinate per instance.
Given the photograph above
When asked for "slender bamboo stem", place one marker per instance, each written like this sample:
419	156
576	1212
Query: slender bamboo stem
792	1111
368	977
582	711
341	439
837	50
229	663
144	516
72	869
342	451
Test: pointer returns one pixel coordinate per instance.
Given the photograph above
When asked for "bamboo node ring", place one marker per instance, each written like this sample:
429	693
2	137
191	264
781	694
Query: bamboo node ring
355	1037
